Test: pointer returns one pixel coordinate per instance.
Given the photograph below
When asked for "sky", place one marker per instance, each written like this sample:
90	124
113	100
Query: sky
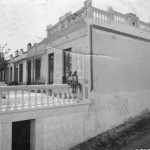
24	21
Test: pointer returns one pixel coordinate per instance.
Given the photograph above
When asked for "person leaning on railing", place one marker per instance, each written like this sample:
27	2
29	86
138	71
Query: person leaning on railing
75	81
69	79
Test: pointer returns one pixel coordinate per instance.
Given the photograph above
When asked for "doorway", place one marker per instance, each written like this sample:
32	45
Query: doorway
21	135
51	68
16	74
67	64
29	72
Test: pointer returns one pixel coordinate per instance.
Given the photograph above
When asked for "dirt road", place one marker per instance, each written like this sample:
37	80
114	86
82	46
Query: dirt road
142	143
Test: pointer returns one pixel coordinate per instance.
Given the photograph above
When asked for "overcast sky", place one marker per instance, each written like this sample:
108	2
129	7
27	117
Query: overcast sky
24	21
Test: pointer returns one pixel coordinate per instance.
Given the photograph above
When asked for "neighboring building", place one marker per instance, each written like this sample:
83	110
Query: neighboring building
17	68
3	69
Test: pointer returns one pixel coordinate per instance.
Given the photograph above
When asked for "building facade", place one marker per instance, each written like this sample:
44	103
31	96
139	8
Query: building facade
110	52
82	42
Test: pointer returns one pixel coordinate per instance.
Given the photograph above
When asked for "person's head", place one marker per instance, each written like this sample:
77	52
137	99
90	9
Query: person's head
69	73
75	72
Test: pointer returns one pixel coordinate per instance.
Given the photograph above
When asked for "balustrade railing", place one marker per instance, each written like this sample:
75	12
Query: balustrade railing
118	17
144	26
33	96
99	16
66	21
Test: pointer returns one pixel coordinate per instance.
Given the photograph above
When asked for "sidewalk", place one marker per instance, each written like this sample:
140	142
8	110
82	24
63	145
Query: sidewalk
134	134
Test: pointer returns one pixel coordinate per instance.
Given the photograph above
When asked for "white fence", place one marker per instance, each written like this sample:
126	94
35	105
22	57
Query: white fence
14	98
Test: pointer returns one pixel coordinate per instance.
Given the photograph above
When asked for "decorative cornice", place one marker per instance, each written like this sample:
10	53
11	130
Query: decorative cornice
78	25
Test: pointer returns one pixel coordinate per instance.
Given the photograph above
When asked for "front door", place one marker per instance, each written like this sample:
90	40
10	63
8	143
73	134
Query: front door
51	68
21	135
29	72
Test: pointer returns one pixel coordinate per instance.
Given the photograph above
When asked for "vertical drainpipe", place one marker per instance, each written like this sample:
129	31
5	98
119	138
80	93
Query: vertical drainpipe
91	55
33	70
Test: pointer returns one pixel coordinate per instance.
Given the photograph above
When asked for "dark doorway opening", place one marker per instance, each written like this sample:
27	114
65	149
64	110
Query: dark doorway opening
51	68
21	135
67	64
29	72
16	74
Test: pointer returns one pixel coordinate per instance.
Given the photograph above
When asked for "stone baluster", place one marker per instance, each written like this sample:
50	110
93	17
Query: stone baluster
50	97
65	97
99	16
23	100
106	18
62	97
39	98
72	98
18	99
103	18
30	99
33	98
44	97
55	97
26	98
96	15
7	101
68	95
58	96
12	100
4	100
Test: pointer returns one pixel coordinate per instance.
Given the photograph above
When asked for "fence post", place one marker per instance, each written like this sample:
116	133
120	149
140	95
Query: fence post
86	92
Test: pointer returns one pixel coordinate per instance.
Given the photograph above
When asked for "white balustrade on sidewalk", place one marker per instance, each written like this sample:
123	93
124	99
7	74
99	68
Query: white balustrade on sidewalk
37	96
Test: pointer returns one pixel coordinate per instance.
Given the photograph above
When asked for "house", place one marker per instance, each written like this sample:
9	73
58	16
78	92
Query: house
99	45
109	50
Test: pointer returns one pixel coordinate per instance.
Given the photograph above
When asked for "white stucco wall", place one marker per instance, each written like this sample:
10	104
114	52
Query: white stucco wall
120	63
104	112
60	128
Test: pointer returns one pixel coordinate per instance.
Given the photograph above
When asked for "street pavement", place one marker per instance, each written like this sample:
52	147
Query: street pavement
132	135
142	143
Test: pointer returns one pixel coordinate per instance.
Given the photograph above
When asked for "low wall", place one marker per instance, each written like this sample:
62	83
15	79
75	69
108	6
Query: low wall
61	127
103	113
110	110
55	128
66	129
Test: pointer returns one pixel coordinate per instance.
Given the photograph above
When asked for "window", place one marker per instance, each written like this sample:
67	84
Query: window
20	72
10	73
4	75
1	75
67	63
37	69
